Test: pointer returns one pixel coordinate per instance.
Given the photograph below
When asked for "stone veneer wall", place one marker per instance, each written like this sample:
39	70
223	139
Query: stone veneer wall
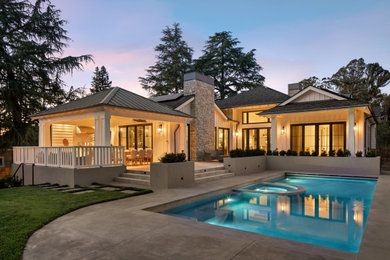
202	126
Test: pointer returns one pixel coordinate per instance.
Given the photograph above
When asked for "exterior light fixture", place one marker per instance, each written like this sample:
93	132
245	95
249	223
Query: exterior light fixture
283	131
160	128
355	127
236	133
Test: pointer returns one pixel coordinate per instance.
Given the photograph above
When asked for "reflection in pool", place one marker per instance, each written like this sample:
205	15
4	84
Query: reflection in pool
332	212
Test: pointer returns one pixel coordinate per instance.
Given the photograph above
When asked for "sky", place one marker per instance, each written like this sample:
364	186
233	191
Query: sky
293	39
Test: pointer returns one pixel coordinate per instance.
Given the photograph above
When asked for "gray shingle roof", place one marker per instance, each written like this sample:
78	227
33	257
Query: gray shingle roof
257	96
114	97
313	106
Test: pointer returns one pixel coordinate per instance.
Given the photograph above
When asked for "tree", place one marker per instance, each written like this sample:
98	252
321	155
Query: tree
100	80
232	69
32	39
357	80
174	58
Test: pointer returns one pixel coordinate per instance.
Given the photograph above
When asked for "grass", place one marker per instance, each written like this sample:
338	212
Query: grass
23	210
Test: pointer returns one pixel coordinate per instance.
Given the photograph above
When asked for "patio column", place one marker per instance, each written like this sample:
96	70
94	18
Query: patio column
273	133
97	131
351	131
105	130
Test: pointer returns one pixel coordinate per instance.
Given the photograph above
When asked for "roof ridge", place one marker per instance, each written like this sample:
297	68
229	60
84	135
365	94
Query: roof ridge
109	96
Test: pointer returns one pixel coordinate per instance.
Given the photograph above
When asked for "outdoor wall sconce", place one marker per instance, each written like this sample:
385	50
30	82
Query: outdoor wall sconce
236	133
160	128
355	127
283	131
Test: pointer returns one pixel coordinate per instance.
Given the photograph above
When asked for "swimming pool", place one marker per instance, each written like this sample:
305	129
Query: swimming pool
331	212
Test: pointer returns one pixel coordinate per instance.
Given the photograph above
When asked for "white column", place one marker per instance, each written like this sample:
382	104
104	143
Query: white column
42	129
97	131
273	133
105	129
351	131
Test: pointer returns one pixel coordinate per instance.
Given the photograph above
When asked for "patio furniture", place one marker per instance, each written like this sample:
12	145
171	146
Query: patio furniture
149	155
141	156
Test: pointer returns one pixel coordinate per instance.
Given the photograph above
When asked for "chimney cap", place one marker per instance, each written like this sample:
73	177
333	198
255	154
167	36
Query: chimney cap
198	76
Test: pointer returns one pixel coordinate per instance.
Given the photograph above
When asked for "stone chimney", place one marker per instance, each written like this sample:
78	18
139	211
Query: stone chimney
202	126
294	88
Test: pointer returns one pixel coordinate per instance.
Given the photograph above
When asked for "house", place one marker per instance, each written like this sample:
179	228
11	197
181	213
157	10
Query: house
114	127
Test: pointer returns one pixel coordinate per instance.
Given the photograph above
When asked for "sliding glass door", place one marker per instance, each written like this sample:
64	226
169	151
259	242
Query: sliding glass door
223	140
255	138
318	137
136	137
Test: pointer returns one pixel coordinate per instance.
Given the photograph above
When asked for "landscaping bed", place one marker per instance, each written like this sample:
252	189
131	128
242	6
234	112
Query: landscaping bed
23	210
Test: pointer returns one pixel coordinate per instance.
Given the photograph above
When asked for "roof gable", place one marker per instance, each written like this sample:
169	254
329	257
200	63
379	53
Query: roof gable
311	94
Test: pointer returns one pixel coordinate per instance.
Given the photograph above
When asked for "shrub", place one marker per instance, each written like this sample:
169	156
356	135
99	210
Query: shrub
282	153
340	153
371	153
314	153
294	153
347	153
275	152
246	153
9	181
332	153
359	154
269	152
307	153
301	153
173	158
289	152
324	154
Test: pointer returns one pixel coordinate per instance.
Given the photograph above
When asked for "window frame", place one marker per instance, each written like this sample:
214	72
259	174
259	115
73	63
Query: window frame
258	137
317	134
135	136
247	117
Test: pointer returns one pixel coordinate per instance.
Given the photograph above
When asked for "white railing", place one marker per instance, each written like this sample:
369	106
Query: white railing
70	156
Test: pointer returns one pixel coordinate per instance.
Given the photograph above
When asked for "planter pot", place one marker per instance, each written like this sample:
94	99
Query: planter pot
346	166
171	175
245	165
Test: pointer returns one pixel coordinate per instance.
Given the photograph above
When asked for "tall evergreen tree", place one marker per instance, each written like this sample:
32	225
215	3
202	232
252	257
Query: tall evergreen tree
100	80
32	39
174	58
233	70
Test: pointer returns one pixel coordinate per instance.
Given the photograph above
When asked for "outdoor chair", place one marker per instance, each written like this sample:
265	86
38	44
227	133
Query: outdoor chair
149	155
141	156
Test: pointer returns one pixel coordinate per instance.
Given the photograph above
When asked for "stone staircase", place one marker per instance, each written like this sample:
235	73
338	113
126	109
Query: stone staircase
141	179
136	178
211	174
385	166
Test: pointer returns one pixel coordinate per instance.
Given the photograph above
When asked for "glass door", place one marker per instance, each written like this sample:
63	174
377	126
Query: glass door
223	140
323	138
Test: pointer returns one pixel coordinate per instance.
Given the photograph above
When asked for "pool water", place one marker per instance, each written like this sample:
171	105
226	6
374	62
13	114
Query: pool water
332	212
271	189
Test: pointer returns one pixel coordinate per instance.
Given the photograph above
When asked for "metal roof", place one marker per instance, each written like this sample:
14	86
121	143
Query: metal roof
174	103
114	97
257	96
313	106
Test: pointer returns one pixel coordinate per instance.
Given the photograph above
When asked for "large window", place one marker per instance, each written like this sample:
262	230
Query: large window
223	140
253	118
136	137
318	137
256	138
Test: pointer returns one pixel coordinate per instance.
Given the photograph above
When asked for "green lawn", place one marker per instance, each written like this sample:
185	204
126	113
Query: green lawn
25	209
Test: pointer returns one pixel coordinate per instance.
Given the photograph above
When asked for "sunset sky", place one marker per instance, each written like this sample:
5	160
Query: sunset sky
293	39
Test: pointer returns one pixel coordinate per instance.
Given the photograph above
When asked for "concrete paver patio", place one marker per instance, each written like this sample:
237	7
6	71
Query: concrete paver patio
124	230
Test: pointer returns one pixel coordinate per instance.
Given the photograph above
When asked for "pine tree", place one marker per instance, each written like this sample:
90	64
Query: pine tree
101	80
174	58
233	70
32	39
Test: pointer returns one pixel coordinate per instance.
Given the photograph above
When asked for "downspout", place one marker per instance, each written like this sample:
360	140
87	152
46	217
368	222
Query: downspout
174	136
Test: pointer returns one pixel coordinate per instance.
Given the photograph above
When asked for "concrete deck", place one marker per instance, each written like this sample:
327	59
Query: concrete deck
124	230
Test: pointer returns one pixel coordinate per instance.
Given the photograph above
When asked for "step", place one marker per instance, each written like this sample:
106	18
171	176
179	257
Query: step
385	172
214	177
210	169
136	176
132	181
210	173
137	172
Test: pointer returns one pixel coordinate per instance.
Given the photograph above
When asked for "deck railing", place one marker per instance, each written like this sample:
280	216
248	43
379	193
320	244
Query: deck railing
70	156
